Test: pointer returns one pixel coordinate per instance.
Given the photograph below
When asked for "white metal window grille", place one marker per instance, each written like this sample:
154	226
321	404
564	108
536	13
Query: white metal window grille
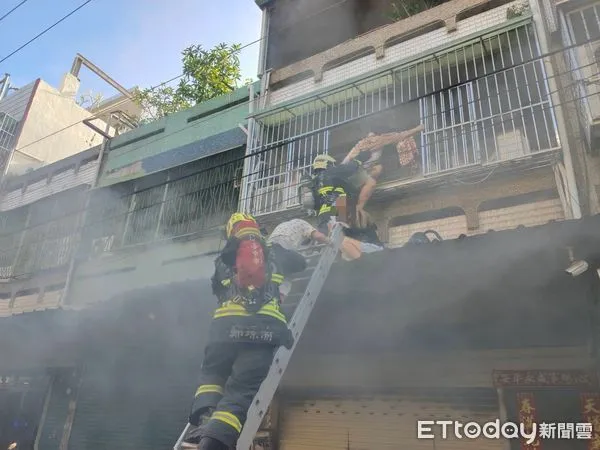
579	27
450	139
484	102
8	133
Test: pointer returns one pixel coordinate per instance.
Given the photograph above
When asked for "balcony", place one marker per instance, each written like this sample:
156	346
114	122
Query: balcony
581	28
483	104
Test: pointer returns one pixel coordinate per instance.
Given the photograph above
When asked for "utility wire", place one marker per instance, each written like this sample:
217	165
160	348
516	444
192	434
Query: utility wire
205	189
489	118
429	93
178	76
33	39
492	118
199	122
13	10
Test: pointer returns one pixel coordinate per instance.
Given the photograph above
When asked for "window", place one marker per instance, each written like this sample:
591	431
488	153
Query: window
450	139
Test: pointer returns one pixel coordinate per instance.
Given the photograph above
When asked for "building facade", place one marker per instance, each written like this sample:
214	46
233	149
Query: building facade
484	325
501	150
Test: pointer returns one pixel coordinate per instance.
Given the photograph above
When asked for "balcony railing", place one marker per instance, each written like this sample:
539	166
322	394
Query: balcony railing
484	102
179	202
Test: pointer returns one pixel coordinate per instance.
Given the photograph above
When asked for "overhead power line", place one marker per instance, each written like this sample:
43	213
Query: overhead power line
170	80
105	219
13	10
39	35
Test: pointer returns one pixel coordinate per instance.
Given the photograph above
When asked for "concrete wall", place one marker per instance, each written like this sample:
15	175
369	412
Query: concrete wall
341	63
116	274
45	137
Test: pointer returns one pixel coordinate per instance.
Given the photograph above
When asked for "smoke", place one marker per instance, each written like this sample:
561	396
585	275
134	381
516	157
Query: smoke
307	27
499	290
138	329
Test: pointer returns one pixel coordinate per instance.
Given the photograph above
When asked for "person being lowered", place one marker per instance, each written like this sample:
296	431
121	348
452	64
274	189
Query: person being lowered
246	330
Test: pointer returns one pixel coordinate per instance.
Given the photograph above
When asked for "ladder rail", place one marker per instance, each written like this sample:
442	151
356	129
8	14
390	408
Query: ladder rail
267	390
181	437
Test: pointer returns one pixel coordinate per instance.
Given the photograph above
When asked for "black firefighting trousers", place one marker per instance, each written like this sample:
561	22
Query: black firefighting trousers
231	376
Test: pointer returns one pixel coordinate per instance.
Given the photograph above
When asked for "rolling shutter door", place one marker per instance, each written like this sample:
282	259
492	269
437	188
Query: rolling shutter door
132	405
387	423
529	215
449	228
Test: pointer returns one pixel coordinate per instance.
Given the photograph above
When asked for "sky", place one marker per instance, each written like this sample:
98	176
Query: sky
136	42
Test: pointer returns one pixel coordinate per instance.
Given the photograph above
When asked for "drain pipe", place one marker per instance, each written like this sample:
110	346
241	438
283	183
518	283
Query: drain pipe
571	185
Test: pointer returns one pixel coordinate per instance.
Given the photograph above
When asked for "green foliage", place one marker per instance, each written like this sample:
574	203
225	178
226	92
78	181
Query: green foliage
206	74
401	9
90	100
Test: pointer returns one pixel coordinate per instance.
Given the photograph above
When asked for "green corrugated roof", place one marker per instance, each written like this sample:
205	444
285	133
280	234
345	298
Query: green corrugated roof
207	119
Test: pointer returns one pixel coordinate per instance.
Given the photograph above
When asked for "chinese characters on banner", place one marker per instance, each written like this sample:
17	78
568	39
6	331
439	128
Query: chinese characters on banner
541	378
591	415
528	416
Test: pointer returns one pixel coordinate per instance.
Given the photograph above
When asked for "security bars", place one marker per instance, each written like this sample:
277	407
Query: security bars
483	102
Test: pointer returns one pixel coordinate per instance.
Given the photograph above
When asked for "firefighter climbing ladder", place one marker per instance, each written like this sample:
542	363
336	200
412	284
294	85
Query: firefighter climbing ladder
282	357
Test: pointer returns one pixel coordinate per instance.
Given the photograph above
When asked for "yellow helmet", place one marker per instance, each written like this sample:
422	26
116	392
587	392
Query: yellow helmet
323	162
236	219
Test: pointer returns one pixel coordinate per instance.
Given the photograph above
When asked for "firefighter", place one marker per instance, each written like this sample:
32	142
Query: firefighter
329	188
246	329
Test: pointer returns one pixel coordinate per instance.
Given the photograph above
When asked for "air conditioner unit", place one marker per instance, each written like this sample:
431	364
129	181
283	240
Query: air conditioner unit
512	145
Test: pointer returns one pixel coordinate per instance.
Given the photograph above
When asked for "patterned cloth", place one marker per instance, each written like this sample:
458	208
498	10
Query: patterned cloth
291	234
407	151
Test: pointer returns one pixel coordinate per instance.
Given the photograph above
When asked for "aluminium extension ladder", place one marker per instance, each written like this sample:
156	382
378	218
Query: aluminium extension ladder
316	276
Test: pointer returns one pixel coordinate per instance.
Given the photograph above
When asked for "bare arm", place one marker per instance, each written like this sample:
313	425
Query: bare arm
319	237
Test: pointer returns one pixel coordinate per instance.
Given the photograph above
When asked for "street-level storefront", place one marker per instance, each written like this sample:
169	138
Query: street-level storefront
22	398
567	401
386	421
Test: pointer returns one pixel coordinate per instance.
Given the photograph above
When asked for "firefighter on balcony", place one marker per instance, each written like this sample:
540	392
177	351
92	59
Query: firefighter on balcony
246	329
326	193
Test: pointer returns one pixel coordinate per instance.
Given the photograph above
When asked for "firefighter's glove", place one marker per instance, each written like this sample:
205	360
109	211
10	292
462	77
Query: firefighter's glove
199	415
288	339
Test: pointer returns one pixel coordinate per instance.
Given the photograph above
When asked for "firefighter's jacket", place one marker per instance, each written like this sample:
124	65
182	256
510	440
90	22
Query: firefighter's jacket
331	184
248	316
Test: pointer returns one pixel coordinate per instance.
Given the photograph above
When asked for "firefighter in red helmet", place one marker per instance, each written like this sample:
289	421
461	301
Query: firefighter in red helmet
246	329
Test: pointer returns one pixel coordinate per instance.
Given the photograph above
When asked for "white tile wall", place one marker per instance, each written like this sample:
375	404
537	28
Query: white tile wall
41	189
396	53
529	215
448	228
